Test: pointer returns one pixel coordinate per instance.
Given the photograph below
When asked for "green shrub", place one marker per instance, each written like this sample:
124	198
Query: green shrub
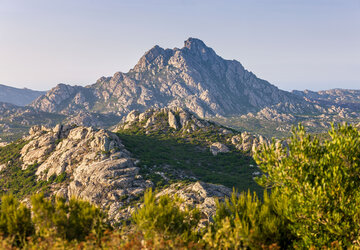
318	183
15	220
75	219
163	216
246	222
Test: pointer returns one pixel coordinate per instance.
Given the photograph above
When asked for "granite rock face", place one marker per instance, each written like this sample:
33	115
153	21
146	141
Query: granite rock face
97	166
193	77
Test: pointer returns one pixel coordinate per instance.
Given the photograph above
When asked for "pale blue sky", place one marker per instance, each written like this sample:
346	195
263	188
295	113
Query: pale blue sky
294	44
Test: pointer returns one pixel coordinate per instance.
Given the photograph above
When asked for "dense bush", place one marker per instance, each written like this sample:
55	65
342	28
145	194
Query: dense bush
243	221
58	219
164	216
318	184
15	220
70	220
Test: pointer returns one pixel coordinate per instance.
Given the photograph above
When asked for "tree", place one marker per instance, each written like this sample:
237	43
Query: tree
318	184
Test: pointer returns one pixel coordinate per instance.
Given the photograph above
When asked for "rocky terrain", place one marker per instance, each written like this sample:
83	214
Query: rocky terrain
193	77
334	106
96	164
19	97
344	97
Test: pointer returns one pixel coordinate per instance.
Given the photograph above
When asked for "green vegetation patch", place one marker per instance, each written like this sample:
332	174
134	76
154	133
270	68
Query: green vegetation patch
181	158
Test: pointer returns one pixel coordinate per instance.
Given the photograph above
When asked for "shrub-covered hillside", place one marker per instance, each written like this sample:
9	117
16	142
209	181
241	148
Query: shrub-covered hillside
173	145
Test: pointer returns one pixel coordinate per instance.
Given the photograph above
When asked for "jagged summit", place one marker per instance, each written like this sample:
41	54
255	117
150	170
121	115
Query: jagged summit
198	48
194	43
193	77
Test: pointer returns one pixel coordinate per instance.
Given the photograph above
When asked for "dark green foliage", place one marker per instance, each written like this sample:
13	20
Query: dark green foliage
70	220
246	222
174	155
15	220
318	184
10	154
163	216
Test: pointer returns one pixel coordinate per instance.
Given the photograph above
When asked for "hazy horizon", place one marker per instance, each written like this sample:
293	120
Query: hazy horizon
292	44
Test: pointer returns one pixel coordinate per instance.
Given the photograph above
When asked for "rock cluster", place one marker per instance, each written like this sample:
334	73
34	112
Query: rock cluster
199	194
153	119
247	142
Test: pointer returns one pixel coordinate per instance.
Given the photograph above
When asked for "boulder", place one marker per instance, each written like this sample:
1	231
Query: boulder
218	147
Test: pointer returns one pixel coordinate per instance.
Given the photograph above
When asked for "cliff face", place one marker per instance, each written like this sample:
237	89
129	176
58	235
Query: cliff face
193	77
94	164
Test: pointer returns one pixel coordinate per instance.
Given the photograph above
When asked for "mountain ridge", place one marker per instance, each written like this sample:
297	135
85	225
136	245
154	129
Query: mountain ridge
17	96
193	77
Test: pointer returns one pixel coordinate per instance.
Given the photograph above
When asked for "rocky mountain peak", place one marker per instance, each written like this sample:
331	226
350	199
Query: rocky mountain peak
155	56
197	48
194	44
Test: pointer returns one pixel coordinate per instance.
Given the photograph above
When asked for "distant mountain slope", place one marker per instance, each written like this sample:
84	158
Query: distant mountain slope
347	98
15	121
193	77
20	97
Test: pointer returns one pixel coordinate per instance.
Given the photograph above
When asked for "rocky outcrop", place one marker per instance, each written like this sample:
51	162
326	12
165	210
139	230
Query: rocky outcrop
271	114
98	167
247	142
218	147
193	77
64	99
200	195
164	119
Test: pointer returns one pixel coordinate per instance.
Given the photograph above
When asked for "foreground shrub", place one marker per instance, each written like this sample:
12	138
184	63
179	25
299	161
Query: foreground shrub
319	185
163	216
70	220
15	220
246	222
